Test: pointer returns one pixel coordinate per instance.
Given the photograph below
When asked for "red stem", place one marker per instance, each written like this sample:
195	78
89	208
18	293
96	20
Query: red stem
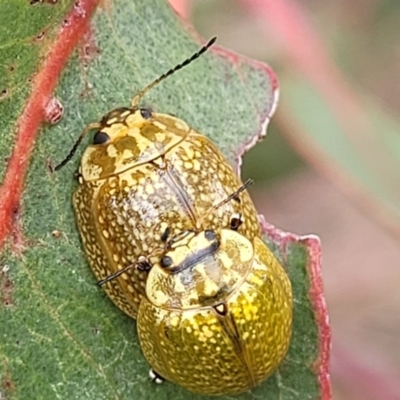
34	112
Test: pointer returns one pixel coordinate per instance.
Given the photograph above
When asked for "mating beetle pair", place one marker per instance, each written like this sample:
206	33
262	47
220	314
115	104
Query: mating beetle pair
173	238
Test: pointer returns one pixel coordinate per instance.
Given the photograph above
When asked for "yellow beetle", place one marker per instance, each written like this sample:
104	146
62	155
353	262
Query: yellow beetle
173	236
143	175
217	314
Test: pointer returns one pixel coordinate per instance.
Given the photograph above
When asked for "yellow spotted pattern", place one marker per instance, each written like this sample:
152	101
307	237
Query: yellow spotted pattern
152	174
225	346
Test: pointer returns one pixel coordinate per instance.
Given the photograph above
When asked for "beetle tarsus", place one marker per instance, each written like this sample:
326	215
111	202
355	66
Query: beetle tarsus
166	234
236	221
143	264
155	377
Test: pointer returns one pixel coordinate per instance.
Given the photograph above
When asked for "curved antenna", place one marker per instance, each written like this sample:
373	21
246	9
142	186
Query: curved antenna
94	125
118	273
232	196
137	98
143	264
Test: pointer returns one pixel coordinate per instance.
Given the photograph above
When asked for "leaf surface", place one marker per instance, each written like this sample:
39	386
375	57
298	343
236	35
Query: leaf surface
61	338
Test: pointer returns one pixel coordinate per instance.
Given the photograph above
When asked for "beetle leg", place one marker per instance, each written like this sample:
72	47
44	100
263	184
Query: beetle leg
166	234
143	264
232	196
236	221
156	378
78	175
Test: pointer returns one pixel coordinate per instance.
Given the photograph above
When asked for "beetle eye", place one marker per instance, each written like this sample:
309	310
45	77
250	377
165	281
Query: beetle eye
145	113
210	235
166	261
100	138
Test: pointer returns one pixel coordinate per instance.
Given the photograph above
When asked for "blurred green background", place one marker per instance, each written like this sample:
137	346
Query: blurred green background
330	162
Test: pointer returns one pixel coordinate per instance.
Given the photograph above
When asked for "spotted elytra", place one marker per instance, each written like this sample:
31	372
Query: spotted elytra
146	175
217	315
172	236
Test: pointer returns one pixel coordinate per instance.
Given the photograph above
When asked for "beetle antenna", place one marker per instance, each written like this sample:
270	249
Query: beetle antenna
143	264
232	196
137	98
94	125
116	274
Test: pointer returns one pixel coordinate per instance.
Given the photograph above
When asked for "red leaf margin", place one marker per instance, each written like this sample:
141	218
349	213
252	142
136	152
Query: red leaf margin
42	107
36	112
281	238
316	295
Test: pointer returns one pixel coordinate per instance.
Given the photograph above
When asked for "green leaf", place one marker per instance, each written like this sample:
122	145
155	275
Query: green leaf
60	337
24	33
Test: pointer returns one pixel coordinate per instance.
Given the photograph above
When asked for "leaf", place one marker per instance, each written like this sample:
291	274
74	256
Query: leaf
60	336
